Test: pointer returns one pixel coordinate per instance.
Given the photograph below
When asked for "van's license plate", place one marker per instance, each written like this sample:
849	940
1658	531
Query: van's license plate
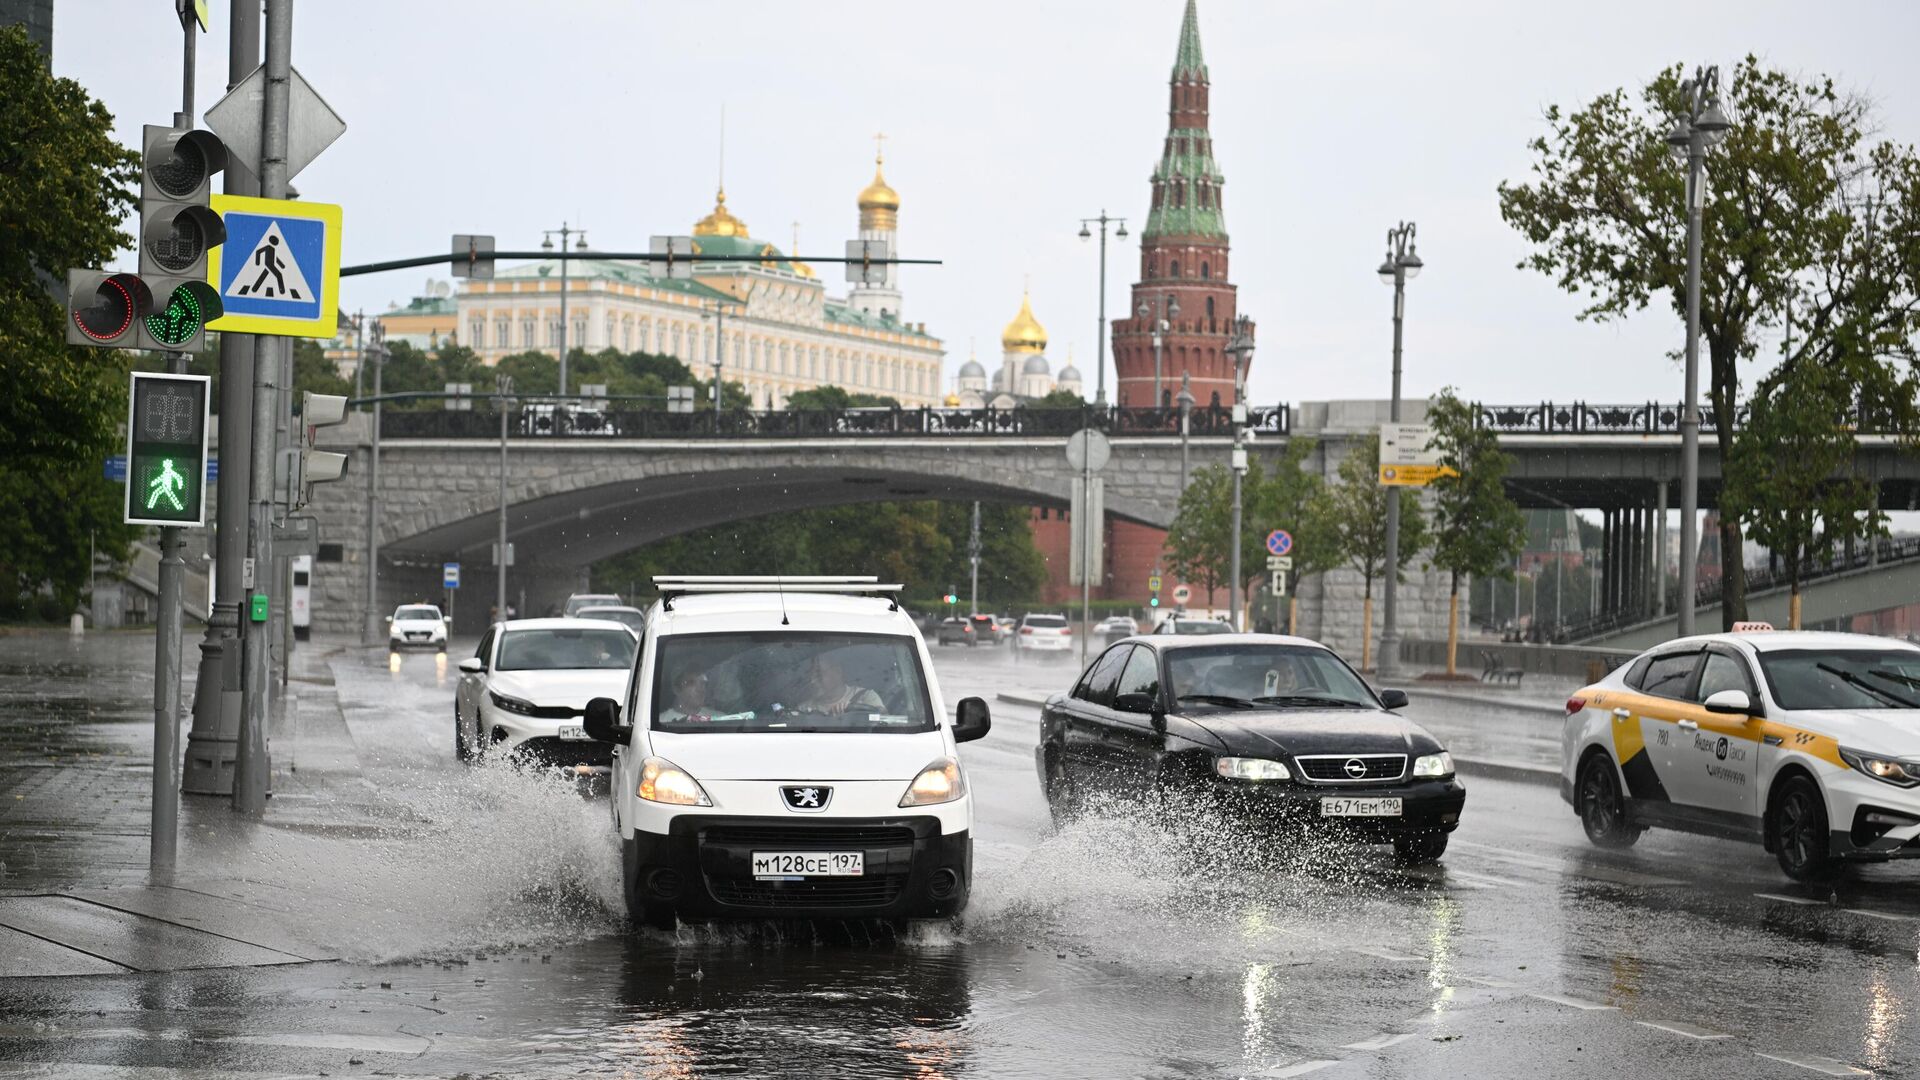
796	865
573	732
1388	806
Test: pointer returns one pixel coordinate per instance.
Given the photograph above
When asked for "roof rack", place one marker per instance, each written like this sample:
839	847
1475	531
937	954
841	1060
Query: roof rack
672	586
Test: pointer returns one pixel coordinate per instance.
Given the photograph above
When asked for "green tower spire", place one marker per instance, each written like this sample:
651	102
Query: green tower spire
1189	59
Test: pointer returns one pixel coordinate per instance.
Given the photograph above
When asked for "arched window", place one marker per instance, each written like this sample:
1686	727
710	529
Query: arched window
1173	268
1206	274
1203	273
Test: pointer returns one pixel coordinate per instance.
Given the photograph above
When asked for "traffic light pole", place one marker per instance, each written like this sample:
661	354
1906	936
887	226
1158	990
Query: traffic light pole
164	836
218	697
251	767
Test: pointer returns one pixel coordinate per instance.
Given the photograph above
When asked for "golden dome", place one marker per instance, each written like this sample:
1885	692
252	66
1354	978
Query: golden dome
953	400
721	222
1024	333
879	204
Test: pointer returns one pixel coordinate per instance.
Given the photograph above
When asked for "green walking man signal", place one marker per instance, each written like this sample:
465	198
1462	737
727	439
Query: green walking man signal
166	486
166	450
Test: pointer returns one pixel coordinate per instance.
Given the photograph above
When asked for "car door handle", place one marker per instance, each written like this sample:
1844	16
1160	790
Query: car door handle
1622	713
1690	725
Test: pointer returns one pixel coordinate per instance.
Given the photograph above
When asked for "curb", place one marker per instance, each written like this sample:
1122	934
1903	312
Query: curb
1014	698
1470	698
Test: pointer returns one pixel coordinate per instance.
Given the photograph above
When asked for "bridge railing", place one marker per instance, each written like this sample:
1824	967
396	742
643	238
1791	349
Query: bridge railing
1649	418
581	418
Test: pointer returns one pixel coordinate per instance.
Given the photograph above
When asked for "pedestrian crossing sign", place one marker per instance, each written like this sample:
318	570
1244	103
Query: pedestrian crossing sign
279	271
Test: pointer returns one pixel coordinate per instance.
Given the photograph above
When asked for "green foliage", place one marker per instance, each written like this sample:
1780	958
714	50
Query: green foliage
64	187
1059	399
313	372
1806	222
47	518
1282	495
1477	529
1794	479
1357	515
833	397
922	545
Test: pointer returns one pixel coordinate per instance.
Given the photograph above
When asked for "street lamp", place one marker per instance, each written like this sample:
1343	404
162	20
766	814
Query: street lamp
373	349
1241	349
1401	265
1701	126
579	238
1169	309
1185	400
1100	337
500	558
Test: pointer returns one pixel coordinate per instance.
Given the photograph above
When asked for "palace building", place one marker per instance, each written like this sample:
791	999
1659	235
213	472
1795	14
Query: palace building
766	322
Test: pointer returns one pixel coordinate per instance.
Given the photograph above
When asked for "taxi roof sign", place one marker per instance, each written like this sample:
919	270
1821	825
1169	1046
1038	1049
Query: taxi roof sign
1751	627
279	271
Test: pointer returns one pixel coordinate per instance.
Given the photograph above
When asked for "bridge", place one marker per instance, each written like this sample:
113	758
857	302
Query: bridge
583	485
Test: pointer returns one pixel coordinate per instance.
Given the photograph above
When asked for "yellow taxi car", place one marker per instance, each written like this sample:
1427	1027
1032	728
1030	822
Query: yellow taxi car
1808	743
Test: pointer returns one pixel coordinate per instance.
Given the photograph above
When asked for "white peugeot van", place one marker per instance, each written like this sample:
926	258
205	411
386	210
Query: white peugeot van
783	752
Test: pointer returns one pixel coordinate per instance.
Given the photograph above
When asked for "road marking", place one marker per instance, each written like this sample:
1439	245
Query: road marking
1386	955
1887	915
1380	1041
1824	1066
1801	900
1601	873
1497	984
1483	881
1679	1028
1299	1068
1577	1003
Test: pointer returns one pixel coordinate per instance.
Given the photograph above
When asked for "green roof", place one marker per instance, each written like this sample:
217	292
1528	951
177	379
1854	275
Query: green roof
1189	60
427	305
584	270
1177	171
838	311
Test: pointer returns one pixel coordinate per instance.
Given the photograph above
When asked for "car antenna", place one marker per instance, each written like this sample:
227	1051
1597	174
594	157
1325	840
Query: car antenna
780	586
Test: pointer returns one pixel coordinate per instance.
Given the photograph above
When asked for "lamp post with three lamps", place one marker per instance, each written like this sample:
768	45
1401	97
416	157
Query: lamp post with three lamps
1100	337
1401	264
1162	321
579	239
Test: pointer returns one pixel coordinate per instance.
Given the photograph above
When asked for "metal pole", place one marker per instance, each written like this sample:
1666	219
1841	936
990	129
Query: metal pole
1690	405
1660	553
1089	521
251	766
1100	338
1186	422
1388	665
374	623
973	557
218	697
1157	338
500	553
564	263
719	357
1233	534
164	836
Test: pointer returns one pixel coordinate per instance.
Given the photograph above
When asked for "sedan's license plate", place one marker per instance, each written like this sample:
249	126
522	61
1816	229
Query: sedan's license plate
573	732
805	864
1385	806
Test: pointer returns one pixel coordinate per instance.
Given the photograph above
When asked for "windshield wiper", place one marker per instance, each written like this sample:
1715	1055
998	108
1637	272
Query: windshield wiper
1219	699
1307	699
1895	676
1854	680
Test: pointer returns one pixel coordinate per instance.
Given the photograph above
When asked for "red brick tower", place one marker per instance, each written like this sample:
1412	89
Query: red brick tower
1183	256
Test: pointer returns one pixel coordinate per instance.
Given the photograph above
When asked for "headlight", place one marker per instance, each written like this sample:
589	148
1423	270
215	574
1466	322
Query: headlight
1251	768
1892	770
662	781
940	782
511	704
1433	765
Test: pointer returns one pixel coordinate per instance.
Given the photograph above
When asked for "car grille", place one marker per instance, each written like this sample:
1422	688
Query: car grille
1332	768
873	890
557	712
799	837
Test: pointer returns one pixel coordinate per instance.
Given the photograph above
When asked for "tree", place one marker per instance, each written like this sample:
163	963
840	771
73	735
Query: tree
65	186
1793	479
1059	399
1357	523
1278	495
1477	529
1804	223
833	397
1198	542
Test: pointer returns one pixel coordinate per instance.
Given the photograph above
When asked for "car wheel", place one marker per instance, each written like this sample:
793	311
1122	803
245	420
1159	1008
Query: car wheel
1062	801
1418	849
1799	829
1603	812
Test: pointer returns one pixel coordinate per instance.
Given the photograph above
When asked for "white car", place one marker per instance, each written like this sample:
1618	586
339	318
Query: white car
1044	633
631	617
416	626
586	600
524	690
1807	743
787	755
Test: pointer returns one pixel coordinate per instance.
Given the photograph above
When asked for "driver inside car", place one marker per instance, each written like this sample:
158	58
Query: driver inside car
689	697
830	692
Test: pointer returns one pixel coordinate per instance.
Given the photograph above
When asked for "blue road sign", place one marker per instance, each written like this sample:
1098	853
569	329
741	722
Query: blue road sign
1279	541
450	575
279	270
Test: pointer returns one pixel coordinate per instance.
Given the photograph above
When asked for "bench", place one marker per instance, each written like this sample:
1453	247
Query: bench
1493	669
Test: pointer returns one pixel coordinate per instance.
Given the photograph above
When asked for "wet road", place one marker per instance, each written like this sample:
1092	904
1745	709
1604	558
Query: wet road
487	943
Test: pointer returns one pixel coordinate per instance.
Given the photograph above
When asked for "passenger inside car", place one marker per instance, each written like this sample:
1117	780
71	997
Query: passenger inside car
689	697
830	692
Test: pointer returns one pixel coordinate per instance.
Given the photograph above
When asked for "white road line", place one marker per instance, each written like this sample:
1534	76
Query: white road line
1577	1003
1384	954
1886	915
1497	984
1483	881
1801	900
1601	873
1380	1041
1679	1028
1823	1066
1298	1068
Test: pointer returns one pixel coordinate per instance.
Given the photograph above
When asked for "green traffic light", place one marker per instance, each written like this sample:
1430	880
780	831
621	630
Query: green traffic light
1155	602
181	319
167	485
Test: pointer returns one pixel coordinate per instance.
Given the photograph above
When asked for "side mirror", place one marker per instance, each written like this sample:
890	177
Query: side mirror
1731	703
1134	703
389	618
971	720
602	722
1393	699
473	665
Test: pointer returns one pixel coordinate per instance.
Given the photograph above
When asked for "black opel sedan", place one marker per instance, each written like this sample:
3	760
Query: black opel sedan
1279	728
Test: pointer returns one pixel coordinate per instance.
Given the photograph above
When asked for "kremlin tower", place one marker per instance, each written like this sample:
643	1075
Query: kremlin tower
1183	257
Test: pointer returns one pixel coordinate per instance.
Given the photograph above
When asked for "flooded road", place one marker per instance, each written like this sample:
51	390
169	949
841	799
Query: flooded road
477	925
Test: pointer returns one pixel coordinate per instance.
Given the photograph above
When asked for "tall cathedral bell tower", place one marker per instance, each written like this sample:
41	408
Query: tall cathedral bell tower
1183	256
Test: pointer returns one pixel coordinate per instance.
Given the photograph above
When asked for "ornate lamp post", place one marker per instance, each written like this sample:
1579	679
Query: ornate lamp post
1185	401
579	238
1169	309
1241	349
1100	336
1702	126
1401	265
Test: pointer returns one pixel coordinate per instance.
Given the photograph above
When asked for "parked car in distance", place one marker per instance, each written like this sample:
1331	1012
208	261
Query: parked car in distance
416	626
954	630
582	600
631	617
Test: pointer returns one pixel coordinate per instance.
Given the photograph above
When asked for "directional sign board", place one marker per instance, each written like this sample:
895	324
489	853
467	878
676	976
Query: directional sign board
1280	542
279	271
450	575
1407	457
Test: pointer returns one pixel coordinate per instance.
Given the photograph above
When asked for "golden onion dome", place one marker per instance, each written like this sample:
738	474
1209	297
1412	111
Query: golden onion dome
1024	333
879	203
721	222
953	400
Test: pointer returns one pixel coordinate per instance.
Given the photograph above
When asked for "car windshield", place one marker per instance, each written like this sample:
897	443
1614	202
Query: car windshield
790	681
1046	622
414	614
1284	676
629	616
1843	679
1200	626
565	648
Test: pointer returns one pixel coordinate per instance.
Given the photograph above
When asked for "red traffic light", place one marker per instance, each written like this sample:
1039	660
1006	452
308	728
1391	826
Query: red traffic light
103	306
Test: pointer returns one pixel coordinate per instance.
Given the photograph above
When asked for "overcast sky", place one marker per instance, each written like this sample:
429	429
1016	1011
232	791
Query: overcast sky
1007	123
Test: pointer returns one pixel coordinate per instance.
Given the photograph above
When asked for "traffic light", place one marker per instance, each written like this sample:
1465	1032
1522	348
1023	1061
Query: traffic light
317	466
1155	601
103	308
177	229
167	450
952	596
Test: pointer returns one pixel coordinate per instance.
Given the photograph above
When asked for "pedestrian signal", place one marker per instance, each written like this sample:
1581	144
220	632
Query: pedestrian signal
166	450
